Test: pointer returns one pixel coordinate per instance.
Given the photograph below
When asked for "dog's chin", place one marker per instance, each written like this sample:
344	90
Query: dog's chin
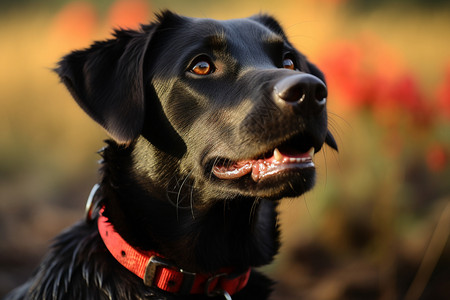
291	182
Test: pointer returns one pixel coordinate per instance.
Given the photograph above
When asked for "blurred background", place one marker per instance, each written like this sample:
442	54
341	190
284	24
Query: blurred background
377	224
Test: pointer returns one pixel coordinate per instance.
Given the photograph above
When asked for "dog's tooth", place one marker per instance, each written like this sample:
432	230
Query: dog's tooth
311	152
255	172
277	155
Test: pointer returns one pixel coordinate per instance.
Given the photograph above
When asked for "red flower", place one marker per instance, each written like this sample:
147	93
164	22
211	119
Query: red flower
128	13
75	23
408	97
368	74
342	67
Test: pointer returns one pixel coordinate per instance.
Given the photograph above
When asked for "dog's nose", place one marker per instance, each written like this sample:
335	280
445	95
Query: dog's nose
302	90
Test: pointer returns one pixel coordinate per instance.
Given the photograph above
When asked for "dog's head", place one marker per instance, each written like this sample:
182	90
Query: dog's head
230	107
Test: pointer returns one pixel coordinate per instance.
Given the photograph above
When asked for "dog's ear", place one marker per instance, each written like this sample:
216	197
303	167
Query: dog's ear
330	141
314	70
106	80
270	22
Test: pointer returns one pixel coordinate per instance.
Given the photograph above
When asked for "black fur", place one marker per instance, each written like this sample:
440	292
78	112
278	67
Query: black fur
169	128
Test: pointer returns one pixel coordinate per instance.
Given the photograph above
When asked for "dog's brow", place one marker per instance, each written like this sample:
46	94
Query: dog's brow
216	41
273	39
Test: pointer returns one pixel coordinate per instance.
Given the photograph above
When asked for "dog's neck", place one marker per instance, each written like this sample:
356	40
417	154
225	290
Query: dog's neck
238	233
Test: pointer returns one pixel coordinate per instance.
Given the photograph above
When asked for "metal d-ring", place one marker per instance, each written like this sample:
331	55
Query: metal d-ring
226	295
90	203
219	293
216	293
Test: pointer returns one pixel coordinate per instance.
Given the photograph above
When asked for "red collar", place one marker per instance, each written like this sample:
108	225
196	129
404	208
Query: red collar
156	271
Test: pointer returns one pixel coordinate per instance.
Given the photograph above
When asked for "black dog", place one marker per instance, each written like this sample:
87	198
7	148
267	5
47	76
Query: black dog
212	122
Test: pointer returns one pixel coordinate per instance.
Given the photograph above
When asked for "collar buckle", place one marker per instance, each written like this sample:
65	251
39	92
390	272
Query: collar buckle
181	283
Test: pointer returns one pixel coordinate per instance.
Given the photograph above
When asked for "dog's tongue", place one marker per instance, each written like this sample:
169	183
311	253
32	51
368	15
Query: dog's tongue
264	167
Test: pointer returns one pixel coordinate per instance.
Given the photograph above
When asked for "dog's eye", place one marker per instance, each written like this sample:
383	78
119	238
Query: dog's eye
202	67
288	64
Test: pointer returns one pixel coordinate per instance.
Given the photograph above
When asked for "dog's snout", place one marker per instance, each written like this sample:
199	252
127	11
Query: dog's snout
301	90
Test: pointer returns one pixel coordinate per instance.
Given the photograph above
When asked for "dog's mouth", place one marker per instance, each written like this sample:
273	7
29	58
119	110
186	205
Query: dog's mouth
286	157
264	167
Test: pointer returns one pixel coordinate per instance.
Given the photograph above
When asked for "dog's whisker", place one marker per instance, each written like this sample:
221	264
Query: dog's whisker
191	201
336	127
180	191
176	191
216	160
253	210
305	200
324	154
191	195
